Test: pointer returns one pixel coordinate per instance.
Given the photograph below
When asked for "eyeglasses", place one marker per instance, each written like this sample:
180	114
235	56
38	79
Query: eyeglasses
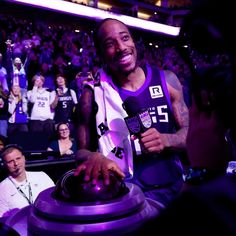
63	130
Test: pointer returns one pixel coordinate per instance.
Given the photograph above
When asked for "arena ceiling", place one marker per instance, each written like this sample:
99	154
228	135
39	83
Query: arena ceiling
166	3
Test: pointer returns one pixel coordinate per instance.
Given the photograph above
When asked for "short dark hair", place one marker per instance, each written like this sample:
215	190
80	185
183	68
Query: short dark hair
96	30
60	75
8	149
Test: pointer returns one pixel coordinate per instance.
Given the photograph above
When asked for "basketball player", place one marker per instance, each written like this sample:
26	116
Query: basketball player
154	165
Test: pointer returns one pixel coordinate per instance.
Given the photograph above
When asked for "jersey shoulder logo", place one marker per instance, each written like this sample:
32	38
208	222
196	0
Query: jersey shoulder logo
156	91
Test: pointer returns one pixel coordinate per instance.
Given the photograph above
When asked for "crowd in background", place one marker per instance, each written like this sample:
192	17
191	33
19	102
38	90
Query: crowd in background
35	51
53	61
208	197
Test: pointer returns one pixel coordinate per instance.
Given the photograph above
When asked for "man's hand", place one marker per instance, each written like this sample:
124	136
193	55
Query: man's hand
151	141
96	164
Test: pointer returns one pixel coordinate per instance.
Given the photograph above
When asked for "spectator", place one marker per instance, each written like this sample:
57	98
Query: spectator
19	75
46	53
3	142
46	72
65	101
60	66
78	83
154	167
3	111
20	188
16	70
32	67
17	108
207	204
3	76
213	93
42	113
65	145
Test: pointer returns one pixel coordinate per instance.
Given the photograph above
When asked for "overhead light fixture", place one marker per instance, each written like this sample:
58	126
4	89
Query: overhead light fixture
98	14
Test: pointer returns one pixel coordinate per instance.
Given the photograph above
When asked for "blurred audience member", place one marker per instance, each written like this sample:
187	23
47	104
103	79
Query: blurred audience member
65	101
42	113
212	130
81	78
60	65
17	108
3	111
46	49
20	188
19	75
3	76
3	142
46	72
16	69
32	66
207	204
65	145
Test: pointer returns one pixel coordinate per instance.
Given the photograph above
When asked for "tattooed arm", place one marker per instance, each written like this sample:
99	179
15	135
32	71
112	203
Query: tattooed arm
154	141
180	111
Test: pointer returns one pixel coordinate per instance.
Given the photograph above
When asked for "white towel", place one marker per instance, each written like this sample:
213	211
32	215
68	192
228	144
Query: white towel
111	114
